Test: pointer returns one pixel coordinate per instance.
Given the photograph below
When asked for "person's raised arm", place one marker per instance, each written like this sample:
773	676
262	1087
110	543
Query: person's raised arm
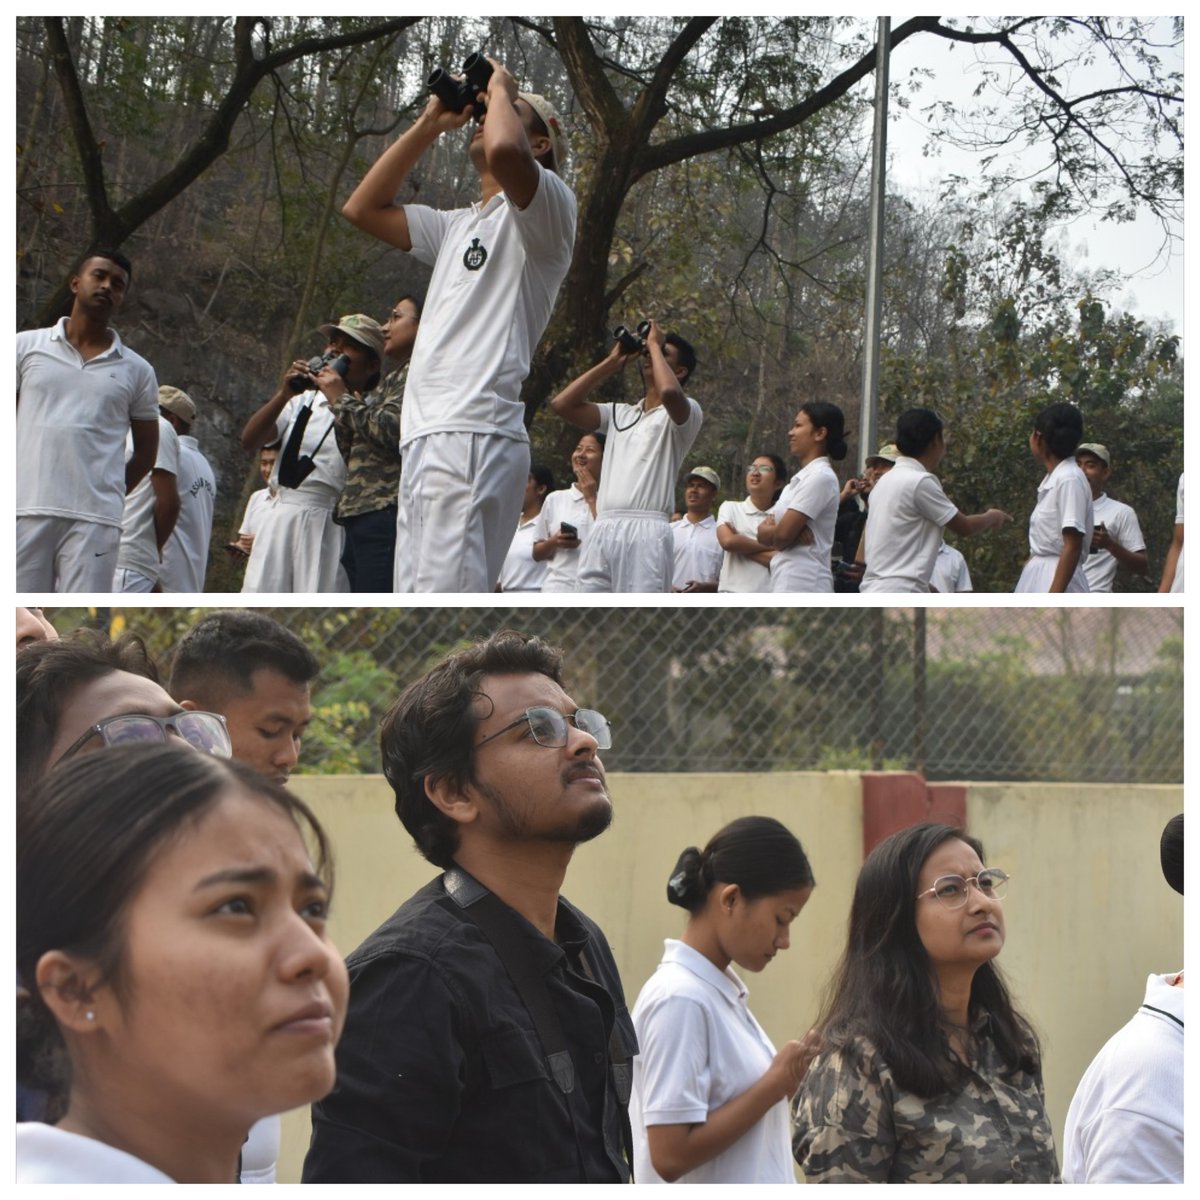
572	403
259	431
372	205
969	525
505	143
665	381
145	452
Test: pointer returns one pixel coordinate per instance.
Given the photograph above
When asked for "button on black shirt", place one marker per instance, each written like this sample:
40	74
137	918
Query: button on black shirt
440	1073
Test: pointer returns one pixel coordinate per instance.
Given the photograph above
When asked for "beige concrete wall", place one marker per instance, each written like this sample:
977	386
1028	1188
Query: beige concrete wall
1084	926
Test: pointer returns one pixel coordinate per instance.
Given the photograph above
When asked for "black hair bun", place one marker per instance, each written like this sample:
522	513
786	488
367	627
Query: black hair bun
685	886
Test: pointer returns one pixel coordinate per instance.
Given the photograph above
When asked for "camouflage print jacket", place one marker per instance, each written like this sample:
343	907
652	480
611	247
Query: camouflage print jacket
854	1124
368	435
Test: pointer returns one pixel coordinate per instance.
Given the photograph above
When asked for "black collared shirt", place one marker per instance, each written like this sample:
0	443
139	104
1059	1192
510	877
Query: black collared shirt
440	1073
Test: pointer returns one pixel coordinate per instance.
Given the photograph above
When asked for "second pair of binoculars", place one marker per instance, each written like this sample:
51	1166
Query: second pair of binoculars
459	93
633	343
331	358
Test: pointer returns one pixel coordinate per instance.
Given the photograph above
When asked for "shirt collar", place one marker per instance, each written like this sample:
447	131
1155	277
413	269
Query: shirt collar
726	982
58	333
748	506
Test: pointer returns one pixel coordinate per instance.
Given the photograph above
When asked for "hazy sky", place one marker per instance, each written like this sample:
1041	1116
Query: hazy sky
1156	289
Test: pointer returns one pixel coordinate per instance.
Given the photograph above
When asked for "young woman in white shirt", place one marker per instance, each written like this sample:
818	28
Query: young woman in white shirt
800	526
178	981
747	564
1060	526
710	1091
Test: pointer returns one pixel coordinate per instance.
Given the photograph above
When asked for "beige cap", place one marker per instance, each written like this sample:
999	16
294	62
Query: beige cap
888	453
1101	452
363	329
177	402
553	123
705	473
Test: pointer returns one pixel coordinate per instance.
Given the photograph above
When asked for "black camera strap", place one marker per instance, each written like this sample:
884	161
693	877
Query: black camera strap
294	469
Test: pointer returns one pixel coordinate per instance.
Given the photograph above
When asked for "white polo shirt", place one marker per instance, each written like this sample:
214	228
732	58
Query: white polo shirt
739	573
260	504
569	505
813	491
642	456
950	572
1064	502
521	572
1125	1123
139	545
496	274
1122	524
904	528
698	554
72	418
1177	582
699	1047
328	478
185	556
46	1154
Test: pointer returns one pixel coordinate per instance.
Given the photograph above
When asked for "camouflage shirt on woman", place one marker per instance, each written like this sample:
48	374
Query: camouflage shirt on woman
855	1124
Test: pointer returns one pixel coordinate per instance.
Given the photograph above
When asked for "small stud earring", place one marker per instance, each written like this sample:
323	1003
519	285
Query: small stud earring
91	1016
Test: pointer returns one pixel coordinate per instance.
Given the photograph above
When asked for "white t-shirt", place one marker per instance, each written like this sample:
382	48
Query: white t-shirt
260	504
1122	524
1064	502
72	418
185	556
699	1047
46	1154
950	572
1125	1123
1177	582
496	274
813	491
739	573
904	528
139	546
642	456
562	571
698	554
521	572
329	475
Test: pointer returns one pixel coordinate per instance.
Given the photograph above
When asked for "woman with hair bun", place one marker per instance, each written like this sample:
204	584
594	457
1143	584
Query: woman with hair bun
801	524
927	1072
179	985
710	1092
1060	526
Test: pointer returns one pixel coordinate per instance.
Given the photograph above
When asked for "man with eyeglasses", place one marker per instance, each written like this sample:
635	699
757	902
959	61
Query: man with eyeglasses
487	1039
367	429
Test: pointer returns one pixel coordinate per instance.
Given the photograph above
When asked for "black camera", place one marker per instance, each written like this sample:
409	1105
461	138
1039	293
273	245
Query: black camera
632	343
331	358
458	94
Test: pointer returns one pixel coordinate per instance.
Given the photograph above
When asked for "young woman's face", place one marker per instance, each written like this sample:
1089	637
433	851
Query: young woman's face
803	438
760	478
233	998
754	931
956	937
589	455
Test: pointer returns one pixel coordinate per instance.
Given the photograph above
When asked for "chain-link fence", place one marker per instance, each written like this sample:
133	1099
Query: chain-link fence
1075	694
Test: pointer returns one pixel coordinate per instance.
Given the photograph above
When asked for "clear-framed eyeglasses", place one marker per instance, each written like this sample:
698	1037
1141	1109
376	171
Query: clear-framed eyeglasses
952	890
204	730
548	727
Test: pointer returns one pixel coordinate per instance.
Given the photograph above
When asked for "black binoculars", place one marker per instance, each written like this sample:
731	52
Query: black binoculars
632	343
339	362
457	94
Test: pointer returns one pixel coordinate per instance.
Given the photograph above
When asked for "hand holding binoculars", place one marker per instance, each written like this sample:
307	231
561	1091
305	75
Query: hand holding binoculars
632	343
459	93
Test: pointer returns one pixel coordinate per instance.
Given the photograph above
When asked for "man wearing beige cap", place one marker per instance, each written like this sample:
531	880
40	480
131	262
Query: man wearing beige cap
185	556
151	511
300	548
698	554
497	267
1117	536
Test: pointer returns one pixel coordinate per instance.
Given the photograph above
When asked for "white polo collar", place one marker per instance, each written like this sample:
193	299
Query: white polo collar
725	982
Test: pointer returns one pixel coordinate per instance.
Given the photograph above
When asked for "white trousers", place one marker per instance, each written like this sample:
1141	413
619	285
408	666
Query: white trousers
297	550
628	551
460	500
63	554
126	579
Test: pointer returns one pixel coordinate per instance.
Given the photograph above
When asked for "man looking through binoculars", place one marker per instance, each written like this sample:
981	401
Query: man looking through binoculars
299	547
497	267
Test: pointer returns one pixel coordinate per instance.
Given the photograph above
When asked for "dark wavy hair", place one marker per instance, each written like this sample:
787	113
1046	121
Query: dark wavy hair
761	855
884	989
826	415
429	732
86	838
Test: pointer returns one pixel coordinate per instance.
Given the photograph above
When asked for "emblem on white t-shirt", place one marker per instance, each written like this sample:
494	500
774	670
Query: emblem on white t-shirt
475	256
